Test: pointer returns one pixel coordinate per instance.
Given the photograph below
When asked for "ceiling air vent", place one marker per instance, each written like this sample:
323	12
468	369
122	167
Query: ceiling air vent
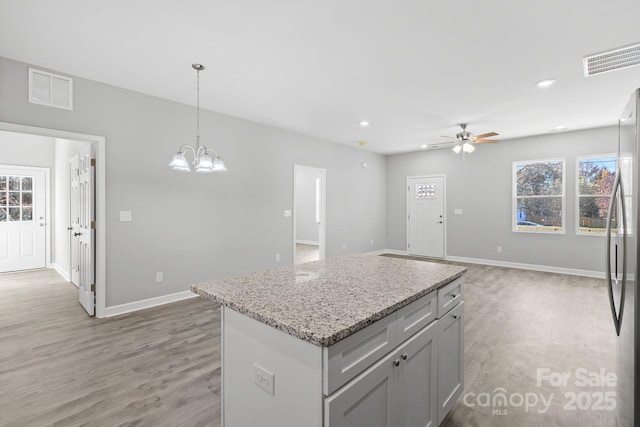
612	60
50	89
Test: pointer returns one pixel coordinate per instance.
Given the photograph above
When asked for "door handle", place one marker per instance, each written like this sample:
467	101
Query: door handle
439	222
612	306
76	234
42	224
69	228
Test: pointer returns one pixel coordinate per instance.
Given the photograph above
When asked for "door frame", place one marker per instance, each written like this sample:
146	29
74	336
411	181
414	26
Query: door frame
101	218
444	210
47	207
322	232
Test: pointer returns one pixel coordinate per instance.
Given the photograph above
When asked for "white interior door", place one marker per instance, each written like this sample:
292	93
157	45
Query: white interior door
83	229
74	220
309	201
426	199
22	218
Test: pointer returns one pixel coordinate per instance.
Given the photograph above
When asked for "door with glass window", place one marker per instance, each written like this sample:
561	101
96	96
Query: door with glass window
22	218
426	216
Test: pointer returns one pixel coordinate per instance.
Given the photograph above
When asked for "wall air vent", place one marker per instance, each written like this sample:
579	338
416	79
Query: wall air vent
50	89
612	60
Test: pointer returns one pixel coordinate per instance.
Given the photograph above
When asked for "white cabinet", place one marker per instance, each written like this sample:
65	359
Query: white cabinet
417	383
398	391
450	359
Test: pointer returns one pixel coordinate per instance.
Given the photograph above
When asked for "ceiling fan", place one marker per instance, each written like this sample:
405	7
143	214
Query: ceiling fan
465	140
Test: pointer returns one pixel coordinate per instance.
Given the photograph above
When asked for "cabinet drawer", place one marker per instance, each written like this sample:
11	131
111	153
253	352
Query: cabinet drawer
347	358
416	316
450	295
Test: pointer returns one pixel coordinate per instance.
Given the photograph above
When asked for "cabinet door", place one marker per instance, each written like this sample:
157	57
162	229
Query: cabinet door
450	359
417	384
368	400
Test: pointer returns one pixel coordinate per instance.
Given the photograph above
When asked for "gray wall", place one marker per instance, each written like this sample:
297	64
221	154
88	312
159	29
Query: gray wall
25	150
307	228
480	185
196	227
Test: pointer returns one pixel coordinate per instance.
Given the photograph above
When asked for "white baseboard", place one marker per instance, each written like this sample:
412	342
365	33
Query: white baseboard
378	252
147	303
61	271
535	267
308	242
521	266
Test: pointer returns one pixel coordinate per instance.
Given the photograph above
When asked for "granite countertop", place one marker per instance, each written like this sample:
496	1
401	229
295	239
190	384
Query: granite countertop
325	301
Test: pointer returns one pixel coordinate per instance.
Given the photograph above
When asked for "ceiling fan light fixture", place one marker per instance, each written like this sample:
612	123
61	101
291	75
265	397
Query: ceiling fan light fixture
457	148
468	148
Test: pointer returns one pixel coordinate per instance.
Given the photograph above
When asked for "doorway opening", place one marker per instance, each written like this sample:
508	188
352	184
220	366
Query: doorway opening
58	223
309	211
426	206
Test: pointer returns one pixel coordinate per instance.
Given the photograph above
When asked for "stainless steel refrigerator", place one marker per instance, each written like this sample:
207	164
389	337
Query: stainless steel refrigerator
622	264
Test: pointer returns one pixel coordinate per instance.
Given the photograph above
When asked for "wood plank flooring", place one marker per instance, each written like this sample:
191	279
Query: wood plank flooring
161	366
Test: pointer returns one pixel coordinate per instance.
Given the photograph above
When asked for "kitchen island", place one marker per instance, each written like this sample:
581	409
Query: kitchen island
358	340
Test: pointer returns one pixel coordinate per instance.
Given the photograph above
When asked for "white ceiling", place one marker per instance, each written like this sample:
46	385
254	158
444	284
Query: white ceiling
412	68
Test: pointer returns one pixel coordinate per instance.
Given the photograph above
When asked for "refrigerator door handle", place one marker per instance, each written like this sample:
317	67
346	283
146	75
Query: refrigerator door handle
612	205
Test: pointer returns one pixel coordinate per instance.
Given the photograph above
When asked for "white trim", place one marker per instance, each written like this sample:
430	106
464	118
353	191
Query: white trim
101	218
393	252
522	266
378	252
308	242
148	303
444	209
61	271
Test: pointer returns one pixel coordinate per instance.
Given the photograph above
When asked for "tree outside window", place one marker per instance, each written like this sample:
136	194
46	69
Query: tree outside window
538	188
596	177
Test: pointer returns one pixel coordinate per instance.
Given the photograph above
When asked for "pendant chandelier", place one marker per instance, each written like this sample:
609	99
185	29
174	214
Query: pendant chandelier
202	160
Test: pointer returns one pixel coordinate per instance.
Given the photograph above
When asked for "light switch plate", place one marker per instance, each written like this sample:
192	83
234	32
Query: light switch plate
287	213
126	216
457	211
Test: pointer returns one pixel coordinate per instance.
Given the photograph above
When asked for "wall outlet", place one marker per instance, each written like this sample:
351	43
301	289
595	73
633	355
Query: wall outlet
344	246
126	216
499	249
159	276
277	257
264	379
371	242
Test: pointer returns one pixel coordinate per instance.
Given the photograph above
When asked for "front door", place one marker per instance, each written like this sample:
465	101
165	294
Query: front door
22	218
426	216
83	229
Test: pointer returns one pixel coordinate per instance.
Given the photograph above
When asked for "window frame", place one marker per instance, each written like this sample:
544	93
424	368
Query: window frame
514	195
577	177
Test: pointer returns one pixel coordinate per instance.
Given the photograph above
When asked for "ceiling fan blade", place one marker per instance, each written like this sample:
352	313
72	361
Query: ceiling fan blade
486	135
451	137
486	141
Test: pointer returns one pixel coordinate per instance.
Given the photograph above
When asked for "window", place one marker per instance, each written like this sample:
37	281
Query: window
538	196
16	198
596	177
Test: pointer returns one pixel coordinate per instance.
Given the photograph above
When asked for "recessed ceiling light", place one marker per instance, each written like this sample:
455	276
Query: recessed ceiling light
364	123
423	146
545	82
560	127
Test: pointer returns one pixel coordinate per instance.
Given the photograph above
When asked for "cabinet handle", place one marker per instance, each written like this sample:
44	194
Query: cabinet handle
453	295
455	316
405	356
396	362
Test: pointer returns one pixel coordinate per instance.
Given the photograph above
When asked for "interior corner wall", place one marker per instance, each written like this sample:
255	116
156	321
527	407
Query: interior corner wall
197	227
481	185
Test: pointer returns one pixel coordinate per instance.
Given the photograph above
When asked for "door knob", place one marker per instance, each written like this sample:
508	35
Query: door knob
396	362
405	356
439	222
69	228
76	234
42	224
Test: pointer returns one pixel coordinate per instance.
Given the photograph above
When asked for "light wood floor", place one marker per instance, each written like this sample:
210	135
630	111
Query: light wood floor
306	253
161	366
